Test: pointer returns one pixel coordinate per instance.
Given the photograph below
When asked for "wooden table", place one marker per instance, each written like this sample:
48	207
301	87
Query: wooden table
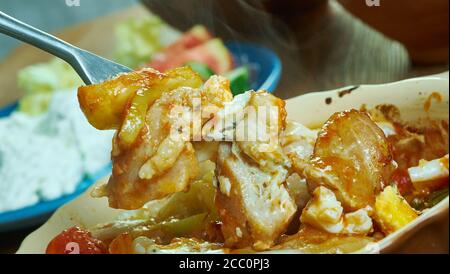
329	49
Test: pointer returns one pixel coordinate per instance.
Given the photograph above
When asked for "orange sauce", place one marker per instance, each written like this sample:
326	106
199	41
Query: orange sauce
436	96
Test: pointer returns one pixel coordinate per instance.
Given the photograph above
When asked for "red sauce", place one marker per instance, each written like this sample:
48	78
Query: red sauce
402	181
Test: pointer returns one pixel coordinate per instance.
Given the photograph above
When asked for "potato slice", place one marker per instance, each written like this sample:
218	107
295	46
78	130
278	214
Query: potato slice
128	96
392	212
352	157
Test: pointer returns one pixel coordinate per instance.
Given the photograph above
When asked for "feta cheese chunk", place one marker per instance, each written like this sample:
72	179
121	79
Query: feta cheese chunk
358	222
429	170
325	212
228	118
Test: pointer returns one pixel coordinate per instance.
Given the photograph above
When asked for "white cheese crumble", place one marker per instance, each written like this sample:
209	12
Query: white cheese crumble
358	222
324	211
429	170
228	117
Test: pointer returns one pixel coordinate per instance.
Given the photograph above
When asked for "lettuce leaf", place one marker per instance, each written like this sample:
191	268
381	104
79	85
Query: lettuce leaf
137	39
41	80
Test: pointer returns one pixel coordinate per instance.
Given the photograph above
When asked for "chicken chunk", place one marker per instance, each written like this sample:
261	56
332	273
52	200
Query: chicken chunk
298	144
162	160
352	157
254	206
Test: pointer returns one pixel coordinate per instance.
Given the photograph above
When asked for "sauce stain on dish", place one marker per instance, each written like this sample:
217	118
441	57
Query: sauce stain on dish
342	93
436	96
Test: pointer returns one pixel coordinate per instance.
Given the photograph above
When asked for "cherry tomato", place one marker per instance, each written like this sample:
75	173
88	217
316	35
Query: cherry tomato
76	241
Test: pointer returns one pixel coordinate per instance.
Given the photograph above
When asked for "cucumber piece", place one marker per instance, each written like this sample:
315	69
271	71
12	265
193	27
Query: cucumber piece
239	80
203	70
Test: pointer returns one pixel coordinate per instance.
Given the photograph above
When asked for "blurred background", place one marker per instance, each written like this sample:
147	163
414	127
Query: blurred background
52	15
323	44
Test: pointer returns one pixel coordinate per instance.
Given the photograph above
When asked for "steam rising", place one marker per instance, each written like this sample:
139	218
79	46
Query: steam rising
322	46
235	20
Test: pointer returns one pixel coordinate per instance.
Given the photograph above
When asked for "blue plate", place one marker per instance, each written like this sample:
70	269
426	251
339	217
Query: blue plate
265	73
265	66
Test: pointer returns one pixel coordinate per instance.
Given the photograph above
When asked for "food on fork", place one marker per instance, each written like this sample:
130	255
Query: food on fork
243	178
149	160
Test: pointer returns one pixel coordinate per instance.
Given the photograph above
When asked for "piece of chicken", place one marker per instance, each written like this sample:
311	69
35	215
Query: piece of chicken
152	154
352	157
298	143
163	161
254	206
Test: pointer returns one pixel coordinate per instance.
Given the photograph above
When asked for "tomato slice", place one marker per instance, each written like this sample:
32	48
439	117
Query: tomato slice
212	53
76	241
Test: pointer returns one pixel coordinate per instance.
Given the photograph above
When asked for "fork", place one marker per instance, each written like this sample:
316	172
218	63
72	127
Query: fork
91	68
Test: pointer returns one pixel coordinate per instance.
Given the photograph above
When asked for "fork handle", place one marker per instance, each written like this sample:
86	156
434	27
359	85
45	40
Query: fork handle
28	34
